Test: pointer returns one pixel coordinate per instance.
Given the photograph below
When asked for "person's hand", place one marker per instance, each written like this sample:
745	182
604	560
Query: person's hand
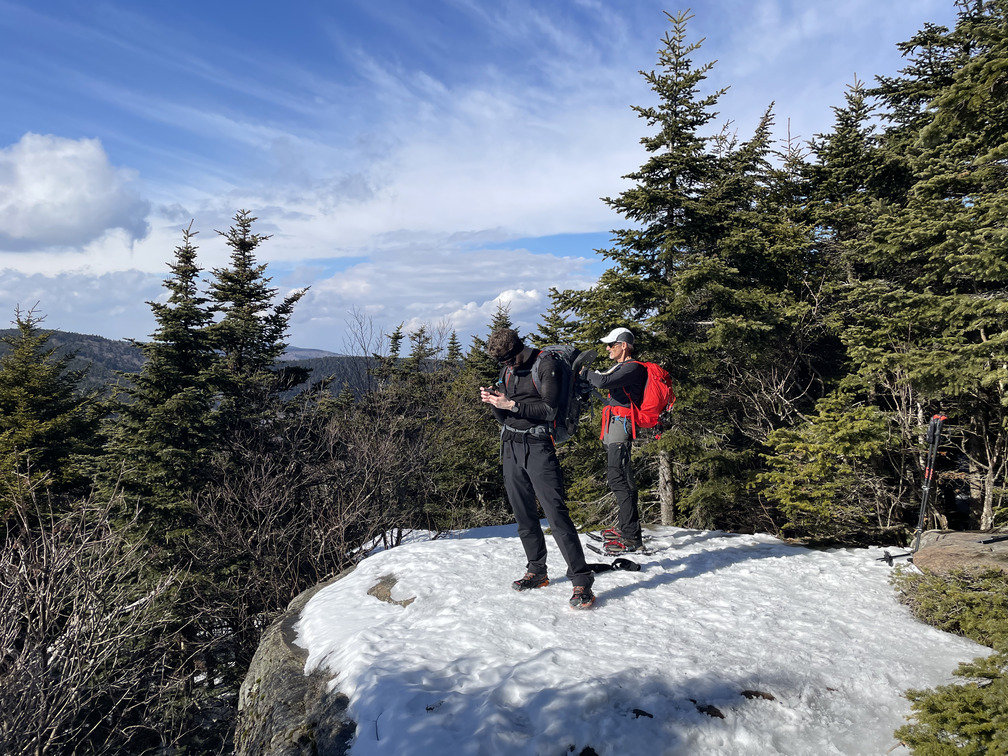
496	398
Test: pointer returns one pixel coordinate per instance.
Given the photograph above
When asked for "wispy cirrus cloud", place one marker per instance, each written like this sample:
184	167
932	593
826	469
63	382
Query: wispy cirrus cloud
377	142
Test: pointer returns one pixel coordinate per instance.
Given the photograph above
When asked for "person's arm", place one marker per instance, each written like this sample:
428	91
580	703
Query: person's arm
541	410
624	381
500	404
550	385
500	414
618	376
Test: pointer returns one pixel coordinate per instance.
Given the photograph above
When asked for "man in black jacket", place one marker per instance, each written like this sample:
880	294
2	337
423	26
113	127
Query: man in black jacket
625	383
531	468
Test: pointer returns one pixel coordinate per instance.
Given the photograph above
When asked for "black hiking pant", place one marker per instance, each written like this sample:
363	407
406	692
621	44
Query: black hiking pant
620	476
531	472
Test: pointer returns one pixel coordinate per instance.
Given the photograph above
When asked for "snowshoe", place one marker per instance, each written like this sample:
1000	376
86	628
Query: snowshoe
617	546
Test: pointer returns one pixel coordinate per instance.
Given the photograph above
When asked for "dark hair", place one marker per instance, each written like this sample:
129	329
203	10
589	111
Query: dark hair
504	344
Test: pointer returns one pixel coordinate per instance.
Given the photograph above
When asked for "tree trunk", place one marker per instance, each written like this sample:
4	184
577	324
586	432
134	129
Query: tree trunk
987	513
666	488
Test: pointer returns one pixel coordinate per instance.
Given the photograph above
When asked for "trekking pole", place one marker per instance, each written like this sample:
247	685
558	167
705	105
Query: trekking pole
933	439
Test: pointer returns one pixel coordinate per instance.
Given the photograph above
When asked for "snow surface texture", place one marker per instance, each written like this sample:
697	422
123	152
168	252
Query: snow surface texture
721	644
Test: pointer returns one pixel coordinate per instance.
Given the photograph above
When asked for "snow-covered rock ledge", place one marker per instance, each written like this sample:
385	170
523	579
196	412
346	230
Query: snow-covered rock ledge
720	644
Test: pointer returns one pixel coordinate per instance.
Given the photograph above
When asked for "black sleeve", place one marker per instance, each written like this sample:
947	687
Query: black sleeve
550	385
624	375
501	415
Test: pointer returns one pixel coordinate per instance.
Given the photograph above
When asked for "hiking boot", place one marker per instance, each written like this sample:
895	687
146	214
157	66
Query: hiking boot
610	533
622	546
530	581
583	597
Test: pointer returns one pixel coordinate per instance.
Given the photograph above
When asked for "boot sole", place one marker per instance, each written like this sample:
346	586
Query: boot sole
529	587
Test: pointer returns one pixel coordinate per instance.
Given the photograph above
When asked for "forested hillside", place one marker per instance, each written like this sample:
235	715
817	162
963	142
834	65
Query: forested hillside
104	359
816	303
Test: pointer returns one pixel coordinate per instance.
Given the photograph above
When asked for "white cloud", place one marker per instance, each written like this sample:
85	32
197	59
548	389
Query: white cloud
57	192
433	284
398	153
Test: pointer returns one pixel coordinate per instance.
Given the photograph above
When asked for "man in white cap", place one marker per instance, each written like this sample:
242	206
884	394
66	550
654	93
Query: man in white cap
625	383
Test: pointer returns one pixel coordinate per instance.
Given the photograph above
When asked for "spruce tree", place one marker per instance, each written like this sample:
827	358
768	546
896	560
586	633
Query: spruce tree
454	353
558	325
933	316
249	335
48	429
713	278
468	488
162	439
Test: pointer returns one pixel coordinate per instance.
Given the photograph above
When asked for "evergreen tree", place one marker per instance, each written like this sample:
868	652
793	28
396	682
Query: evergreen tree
454	353
821	472
843	203
841	444
163	436
714	277
557	326
160	453
47	429
931	314
479	367
250	334
388	363
468	488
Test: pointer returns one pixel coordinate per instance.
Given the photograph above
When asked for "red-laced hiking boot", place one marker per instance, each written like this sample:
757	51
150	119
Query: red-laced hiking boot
530	581
583	597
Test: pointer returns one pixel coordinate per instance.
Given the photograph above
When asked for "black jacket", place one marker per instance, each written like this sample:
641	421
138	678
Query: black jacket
625	382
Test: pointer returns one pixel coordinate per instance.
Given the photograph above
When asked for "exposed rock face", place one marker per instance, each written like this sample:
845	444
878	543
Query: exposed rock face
943	550
283	712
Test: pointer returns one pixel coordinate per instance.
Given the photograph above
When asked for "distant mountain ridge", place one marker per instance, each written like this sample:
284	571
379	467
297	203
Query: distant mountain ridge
302	353
106	358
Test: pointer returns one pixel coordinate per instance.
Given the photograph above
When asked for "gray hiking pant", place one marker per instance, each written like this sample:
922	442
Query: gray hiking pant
620	476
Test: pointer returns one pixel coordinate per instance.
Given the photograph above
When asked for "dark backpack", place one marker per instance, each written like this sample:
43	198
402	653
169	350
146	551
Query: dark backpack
575	391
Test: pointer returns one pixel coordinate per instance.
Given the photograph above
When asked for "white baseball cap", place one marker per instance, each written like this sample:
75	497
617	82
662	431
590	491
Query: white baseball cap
618	334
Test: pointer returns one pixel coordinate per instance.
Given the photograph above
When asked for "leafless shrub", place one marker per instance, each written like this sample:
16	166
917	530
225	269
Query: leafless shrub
76	623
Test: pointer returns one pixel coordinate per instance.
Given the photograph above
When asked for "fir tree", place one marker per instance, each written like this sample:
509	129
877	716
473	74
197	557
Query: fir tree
250	334
163	437
47	429
931	316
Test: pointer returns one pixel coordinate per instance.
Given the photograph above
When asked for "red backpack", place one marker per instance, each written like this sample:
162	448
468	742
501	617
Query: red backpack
658	396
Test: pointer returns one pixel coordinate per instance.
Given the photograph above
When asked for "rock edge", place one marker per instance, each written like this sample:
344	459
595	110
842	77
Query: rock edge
946	550
282	711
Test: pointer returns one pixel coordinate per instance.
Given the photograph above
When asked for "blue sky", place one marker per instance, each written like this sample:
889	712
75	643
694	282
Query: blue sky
415	162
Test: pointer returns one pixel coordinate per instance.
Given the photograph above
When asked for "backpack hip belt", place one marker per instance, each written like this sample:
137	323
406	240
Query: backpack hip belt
538	431
609	411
